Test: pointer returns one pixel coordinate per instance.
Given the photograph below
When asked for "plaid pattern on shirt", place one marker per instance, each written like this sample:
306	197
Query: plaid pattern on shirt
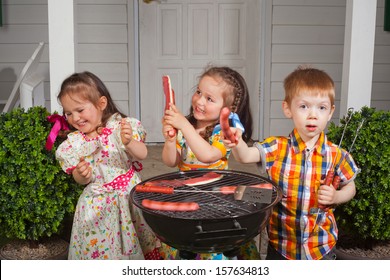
298	171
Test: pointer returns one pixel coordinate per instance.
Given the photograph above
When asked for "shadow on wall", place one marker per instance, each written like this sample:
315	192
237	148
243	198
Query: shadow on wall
7	81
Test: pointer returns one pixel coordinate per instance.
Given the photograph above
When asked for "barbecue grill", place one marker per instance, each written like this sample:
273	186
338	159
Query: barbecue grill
222	224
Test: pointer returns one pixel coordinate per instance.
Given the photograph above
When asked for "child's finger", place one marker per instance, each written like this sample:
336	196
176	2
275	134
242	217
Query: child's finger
173	108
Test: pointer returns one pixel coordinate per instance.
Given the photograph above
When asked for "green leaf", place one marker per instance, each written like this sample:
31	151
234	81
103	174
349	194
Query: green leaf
35	194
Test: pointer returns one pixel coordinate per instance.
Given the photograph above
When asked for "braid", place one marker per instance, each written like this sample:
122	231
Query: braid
240	95
236	99
236	91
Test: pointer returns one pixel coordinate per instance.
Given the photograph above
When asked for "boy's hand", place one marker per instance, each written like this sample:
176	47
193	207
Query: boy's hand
326	195
126	132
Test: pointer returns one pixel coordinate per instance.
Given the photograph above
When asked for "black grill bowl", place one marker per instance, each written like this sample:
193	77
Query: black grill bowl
221	224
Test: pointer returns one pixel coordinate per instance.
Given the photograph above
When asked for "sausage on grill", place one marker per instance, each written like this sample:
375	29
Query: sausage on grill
169	205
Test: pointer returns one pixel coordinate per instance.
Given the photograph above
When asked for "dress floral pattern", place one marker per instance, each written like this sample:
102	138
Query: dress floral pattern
188	160
106	225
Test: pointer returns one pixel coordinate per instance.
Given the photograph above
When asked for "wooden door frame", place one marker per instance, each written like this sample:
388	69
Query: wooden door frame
264	64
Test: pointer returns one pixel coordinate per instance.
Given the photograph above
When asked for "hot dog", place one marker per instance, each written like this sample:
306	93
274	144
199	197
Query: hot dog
336	182
225	127
202	180
170	206
154	189
329	177
169	98
233	189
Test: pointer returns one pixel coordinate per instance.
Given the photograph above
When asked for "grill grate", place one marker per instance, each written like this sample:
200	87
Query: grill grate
212	205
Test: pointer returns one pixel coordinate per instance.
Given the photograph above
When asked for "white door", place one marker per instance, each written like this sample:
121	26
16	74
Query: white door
180	38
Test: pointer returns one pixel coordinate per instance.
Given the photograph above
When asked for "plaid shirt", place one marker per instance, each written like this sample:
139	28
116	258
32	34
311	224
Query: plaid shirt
298	171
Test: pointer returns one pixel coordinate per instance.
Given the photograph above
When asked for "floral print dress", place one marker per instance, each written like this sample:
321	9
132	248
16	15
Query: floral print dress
189	161
106	225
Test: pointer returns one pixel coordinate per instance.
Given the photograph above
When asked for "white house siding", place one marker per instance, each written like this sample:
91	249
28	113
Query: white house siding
380	97
299	31
312	32
302	32
103	45
102	36
24	26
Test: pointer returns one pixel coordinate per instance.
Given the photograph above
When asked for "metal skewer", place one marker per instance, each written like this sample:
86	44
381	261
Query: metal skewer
330	178
335	185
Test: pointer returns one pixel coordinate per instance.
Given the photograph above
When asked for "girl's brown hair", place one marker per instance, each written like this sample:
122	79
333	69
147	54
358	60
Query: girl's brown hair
89	87
236	98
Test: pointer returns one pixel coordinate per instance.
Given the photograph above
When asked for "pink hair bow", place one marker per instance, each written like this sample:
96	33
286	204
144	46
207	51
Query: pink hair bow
59	124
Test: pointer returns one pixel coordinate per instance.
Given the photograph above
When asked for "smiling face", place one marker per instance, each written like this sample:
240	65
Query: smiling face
310	114
208	100
82	114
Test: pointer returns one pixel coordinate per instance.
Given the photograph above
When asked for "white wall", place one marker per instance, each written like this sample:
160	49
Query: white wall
312	32
102	35
300	31
24	26
103	45
380	97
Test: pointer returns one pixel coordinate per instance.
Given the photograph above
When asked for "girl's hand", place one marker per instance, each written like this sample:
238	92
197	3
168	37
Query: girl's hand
166	129
83	172
175	118
237	133
136	149
126	132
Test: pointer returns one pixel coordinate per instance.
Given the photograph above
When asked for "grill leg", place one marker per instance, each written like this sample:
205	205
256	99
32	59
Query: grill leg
232	254
187	255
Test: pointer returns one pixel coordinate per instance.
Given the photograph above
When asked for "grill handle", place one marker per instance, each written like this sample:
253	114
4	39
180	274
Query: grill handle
222	234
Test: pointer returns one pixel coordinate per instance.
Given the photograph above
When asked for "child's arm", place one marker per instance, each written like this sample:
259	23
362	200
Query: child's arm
203	151
327	195
82	174
136	149
241	152
170	155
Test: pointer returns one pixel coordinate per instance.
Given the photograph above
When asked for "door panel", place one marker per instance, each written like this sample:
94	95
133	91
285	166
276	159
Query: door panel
180	38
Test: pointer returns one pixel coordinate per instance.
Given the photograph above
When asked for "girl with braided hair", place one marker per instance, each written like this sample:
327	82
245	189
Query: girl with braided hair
198	143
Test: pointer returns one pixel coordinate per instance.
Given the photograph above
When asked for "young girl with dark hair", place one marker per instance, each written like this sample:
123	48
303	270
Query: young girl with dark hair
102	154
198	143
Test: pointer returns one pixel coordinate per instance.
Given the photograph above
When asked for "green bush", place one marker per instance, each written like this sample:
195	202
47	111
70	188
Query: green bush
35	194
367	215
